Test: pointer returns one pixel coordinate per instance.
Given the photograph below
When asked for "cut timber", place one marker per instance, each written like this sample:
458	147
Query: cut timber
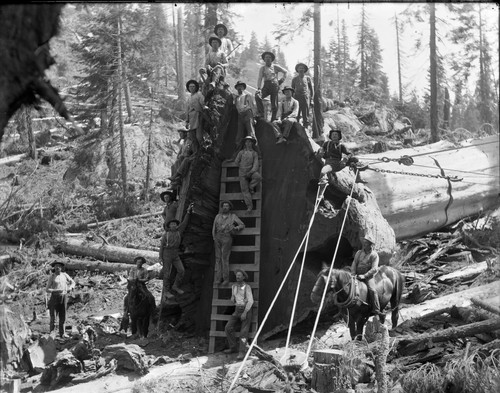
103	252
13	334
459	299
327	371
414	206
91	266
491	307
465	273
452	333
96	224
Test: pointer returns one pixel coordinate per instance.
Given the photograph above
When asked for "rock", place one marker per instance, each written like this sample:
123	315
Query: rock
129	357
13	334
41	353
61	370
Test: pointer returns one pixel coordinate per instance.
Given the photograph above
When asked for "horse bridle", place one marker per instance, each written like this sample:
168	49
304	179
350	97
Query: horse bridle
350	297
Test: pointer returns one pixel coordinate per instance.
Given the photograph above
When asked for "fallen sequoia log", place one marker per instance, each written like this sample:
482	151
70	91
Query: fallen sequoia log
103	252
488	307
96	224
91	266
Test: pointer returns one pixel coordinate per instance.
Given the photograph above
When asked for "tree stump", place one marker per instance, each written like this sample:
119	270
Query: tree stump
13	334
327	375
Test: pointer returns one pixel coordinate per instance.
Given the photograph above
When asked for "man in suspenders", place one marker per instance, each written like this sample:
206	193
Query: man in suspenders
288	110
245	105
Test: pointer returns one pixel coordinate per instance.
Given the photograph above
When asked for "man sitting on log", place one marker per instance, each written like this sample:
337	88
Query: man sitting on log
183	161
58	285
171	205
365	266
215	64
226	224
226	45
169	253
242	297
248	164
334	153
288	110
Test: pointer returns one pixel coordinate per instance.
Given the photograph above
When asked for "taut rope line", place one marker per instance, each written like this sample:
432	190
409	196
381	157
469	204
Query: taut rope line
329	274
318	198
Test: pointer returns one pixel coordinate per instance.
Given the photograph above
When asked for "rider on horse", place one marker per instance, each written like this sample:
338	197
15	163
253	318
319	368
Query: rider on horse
365	266
139	273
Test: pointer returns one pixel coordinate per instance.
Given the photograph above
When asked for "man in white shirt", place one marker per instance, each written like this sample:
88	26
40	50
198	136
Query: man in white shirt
242	297
226	45
288	110
58	285
245	105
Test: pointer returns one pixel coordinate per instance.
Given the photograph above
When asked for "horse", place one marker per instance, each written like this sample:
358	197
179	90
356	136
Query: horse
140	305
352	294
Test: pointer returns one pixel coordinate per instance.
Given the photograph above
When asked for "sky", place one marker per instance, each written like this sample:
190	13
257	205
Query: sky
262	18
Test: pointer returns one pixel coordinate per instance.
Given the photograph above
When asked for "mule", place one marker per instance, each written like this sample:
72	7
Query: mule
140	306
352	294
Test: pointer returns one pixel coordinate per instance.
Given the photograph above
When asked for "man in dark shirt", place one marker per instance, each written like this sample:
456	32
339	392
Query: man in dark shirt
334	153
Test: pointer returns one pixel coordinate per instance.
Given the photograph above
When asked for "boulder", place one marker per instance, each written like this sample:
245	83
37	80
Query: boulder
129	357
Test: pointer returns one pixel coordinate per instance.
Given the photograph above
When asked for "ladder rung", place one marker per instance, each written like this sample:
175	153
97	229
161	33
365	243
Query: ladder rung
223	334
252	284
232	164
228	302
249	231
244	213
245	248
237	196
225	317
251	267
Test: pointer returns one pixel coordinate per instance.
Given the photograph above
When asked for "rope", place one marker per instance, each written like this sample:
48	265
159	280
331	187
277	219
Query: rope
318	198
316	205
329	273
350	297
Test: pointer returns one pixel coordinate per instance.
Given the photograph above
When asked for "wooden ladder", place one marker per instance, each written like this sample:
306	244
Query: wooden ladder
245	255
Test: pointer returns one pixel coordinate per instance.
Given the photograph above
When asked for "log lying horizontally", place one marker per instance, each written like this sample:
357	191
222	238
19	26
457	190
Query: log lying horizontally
96	224
465	273
75	264
103	252
488	307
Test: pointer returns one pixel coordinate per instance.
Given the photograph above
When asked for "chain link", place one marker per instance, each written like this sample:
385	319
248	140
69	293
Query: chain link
450	178
405	160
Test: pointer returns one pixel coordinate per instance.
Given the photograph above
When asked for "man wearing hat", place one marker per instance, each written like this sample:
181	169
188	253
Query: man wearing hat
184	159
245	105
171	205
194	107
242	297
333	152
304	92
288	110
169	254
139	273
226	224
58	285
269	74
216	62
365	266
248	164
226	45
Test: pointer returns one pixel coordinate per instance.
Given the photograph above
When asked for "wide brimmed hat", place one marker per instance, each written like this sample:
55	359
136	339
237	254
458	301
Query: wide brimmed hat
195	82
182	130
172	193
301	64
273	56
240	83
228	202
220	25
137	259
249	137
369	238
335	130
245	275
167	224
214	38
288	88
57	263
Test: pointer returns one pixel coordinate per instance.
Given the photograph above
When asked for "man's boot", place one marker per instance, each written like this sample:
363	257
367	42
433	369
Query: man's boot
375	303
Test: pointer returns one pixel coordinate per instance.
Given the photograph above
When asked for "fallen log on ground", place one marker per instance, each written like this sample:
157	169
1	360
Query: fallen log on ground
96	224
103	252
464	274
91	266
452	333
488	307
259	352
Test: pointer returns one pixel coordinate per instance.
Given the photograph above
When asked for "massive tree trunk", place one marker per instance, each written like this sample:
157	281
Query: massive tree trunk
433	82
317	111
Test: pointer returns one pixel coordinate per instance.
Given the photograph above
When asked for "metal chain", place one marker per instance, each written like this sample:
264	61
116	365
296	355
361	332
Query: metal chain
405	160
450	178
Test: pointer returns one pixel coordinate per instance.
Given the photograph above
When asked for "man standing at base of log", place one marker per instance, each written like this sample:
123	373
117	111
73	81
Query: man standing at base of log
242	297
269	73
248	164
169	253
226	224
58	285
304	93
245	105
365	266
333	152
288	110
170	209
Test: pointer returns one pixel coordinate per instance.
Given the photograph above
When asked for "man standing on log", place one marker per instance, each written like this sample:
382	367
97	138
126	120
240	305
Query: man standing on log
171	205
365	266
287	115
269	73
58	285
333	152
226	45
242	297
169	253
183	161
248	164
304	92
194	109
226	224
245	105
